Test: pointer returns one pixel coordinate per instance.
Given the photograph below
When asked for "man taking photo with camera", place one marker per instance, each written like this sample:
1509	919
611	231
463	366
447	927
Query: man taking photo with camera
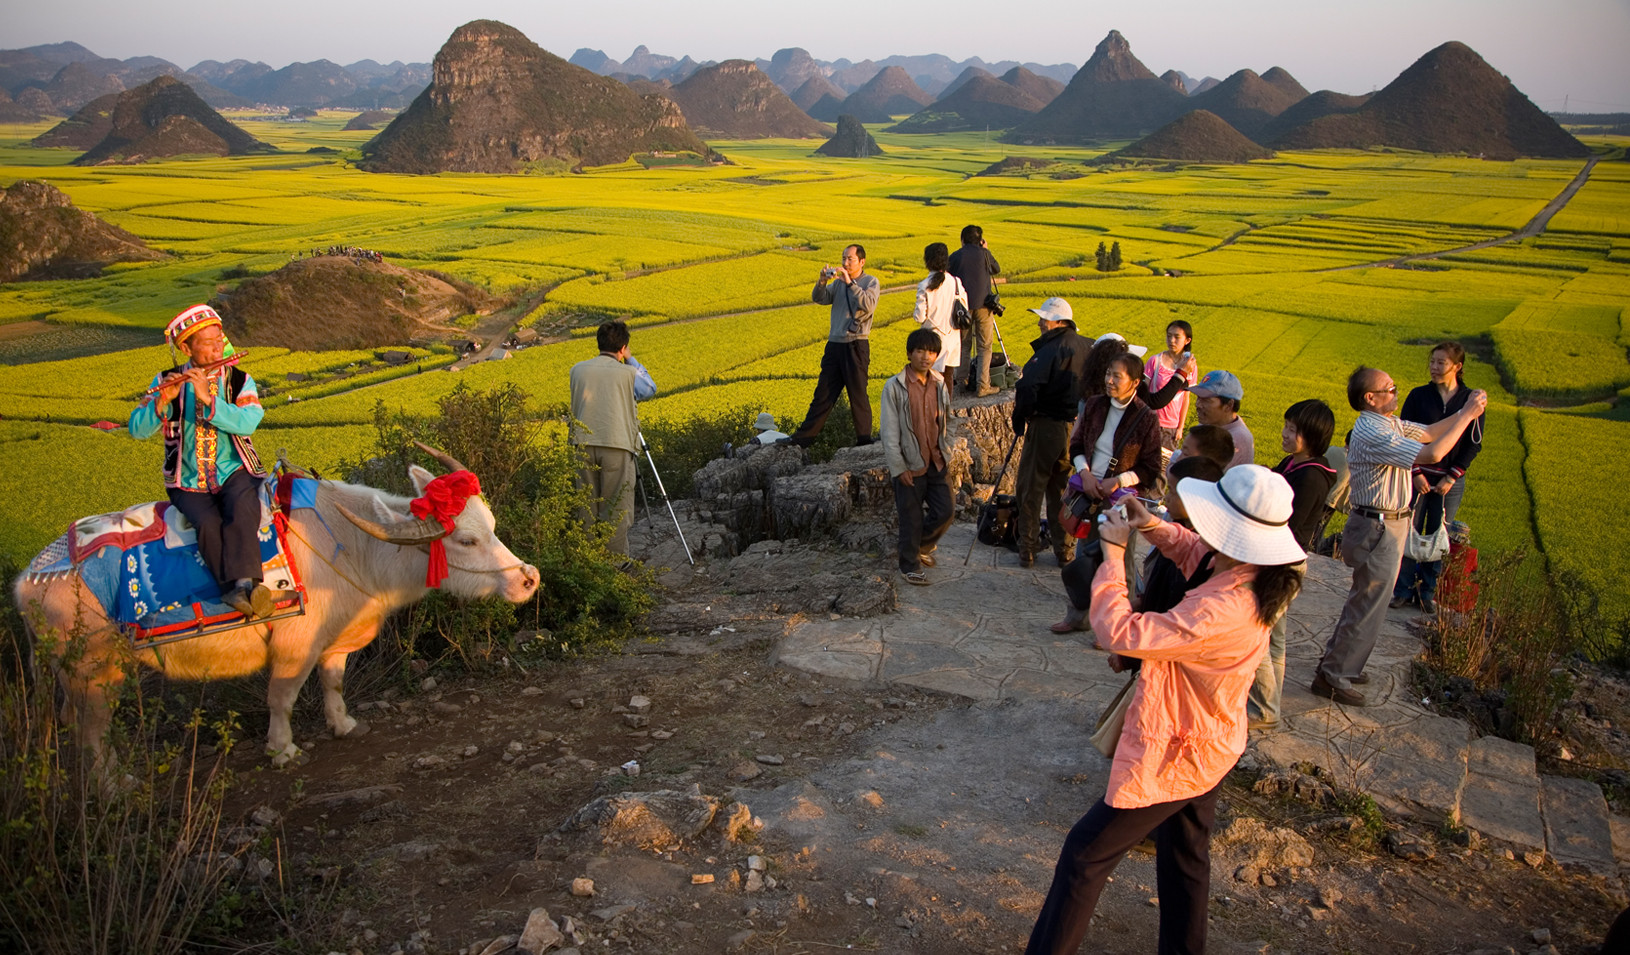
847	360
975	267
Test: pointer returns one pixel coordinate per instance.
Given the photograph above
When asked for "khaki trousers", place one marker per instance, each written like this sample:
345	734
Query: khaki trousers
609	475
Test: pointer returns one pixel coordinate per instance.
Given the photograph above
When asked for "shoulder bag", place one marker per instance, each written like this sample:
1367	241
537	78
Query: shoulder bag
1107	732
960	319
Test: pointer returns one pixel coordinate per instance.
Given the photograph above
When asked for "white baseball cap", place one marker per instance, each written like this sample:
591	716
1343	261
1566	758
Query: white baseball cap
1055	309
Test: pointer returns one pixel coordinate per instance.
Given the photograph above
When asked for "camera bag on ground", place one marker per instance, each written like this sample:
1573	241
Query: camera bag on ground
997	524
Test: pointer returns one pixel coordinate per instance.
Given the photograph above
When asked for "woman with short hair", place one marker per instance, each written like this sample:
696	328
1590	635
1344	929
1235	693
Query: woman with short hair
1185	727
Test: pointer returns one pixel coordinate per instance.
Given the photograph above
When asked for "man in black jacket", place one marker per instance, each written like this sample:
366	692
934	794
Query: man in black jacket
975	266
1044	406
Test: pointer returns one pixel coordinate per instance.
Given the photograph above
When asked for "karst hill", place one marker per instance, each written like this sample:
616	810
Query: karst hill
1448	101
736	100
1113	96
1249	102
888	94
157	119
851	141
343	301
497	103
43	236
983	102
1197	136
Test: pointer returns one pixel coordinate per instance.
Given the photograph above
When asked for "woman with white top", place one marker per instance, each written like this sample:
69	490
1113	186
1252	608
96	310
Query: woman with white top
934	297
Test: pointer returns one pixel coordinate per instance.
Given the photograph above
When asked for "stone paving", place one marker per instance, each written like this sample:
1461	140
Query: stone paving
980	631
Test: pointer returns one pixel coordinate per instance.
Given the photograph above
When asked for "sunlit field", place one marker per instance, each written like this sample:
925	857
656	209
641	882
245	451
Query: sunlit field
1272	262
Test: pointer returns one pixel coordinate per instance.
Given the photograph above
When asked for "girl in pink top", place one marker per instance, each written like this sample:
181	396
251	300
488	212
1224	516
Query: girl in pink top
1185	727
1178	356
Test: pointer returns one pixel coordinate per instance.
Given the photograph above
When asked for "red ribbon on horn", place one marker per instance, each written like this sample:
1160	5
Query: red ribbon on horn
444	499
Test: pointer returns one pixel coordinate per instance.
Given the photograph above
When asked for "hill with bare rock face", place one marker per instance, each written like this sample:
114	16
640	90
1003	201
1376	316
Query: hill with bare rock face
1449	101
1113	96
1246	101
851	141
335	301
735	100
1197	137
158	119
42	236
888	94
983	102
498	102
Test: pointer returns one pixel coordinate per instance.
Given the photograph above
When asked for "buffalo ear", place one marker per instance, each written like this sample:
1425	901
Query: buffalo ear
383	513
420	478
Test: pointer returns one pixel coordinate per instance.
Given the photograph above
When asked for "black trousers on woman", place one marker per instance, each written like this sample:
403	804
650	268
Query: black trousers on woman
228	523
1096	845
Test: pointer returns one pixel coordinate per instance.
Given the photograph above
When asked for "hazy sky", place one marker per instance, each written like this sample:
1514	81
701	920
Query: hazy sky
1550	48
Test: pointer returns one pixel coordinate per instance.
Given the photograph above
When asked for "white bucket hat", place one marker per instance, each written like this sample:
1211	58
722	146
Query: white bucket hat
1245	516
1138	350
765	421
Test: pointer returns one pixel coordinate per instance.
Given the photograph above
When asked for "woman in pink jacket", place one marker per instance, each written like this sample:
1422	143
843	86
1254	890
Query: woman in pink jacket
1185	727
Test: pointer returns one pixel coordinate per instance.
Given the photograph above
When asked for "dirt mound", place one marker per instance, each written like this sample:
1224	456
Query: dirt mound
1449	101
497	102
164	118
983	102
1113	96
736	100
370	119
337	301
1197	136
851	141
42	236
888	94
1246	101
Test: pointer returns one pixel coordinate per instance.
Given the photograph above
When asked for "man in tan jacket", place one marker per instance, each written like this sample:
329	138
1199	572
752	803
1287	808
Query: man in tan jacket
606	425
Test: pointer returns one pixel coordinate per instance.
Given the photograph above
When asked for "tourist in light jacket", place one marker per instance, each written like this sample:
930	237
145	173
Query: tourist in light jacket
1185	727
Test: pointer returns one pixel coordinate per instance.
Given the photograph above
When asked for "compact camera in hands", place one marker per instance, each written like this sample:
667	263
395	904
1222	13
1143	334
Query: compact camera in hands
830	272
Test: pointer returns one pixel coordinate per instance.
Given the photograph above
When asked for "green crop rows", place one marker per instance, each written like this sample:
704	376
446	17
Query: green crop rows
1271	262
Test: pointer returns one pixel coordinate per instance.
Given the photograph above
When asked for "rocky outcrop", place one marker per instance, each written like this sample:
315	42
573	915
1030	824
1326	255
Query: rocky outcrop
42	236
851	141
736	100
498	103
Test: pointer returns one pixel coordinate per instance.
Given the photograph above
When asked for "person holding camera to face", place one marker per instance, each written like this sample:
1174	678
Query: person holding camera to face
606	427
845	364
975	267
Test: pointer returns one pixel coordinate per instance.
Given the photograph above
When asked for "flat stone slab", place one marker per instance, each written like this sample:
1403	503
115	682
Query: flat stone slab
1577	830
1500	795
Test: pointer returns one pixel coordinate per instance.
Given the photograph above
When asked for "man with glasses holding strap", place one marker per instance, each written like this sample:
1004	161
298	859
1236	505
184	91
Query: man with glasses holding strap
1381	452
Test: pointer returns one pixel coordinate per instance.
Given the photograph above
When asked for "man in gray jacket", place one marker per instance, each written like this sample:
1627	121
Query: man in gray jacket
848	357
917	447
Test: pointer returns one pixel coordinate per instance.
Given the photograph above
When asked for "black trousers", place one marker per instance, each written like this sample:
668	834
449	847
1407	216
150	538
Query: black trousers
1096	845
844	366
924	509
227	522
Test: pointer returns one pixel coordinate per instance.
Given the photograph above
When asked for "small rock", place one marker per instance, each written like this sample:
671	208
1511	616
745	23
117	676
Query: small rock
471	750
1317	913
639	704
770	759
502	943
744	771
541	933
869	799
265	816
631	768
736	942
661	734
741	823
755	881
702	878
1249	874
1405	846
577	702
532	691
1508	855
611	911
582	888
1534	857
427	684
1541	936
1329	897
755	863
445	708
636	720
1269	881
429	762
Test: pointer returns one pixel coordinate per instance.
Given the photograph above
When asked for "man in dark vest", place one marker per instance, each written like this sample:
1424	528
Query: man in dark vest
207	408
975	266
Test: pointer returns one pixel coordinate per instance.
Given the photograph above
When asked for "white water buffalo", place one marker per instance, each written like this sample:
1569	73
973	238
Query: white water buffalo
377	567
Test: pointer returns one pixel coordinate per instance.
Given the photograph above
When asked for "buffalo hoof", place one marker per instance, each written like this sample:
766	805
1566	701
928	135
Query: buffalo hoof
289	757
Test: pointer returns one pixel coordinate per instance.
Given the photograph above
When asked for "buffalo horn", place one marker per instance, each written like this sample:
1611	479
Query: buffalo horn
416	531
447	460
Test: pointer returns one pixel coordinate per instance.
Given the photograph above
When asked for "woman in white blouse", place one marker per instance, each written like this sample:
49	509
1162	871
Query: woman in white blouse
934	297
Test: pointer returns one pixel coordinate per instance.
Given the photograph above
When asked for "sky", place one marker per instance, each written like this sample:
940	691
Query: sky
1558	52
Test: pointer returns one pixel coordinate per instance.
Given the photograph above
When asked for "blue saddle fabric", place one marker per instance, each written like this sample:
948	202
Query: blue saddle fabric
152	584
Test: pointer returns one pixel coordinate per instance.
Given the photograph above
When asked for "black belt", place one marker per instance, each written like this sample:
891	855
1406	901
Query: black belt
1375	513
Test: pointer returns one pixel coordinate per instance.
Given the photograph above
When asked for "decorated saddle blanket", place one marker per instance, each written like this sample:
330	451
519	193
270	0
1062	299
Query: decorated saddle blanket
143	566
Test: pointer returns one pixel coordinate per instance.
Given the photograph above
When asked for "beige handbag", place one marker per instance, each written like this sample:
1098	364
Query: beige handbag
1108	731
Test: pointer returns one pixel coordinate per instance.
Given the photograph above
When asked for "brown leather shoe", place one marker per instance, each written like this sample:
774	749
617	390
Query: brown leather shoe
1322	687
1027	559
987	391
1074	620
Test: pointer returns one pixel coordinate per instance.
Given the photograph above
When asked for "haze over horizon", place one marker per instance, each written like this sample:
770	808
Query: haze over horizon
1568	51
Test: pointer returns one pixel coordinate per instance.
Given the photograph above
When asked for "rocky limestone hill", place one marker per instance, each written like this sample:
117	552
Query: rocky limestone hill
983	102
84	129
1307	109
1198	136
164	117
1449	101
888	94
1113	96
814	90
13	112
498	102
1174	79
735	100
791	68
370	119
43	236
1246	101
851	141
1044	88
336	301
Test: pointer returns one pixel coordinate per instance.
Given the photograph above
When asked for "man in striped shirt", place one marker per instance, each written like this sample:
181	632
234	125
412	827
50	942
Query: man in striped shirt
1380	453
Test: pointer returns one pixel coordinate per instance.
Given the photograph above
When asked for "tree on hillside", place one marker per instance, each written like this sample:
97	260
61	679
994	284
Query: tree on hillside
1103	258
1115	257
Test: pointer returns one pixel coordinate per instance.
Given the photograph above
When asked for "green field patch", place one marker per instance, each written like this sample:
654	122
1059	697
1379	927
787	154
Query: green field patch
601	253
1589	548
761	281
1551	348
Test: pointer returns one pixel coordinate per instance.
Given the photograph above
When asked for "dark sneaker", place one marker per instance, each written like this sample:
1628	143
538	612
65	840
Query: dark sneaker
1322	687
1429	605
915	577
1399	602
